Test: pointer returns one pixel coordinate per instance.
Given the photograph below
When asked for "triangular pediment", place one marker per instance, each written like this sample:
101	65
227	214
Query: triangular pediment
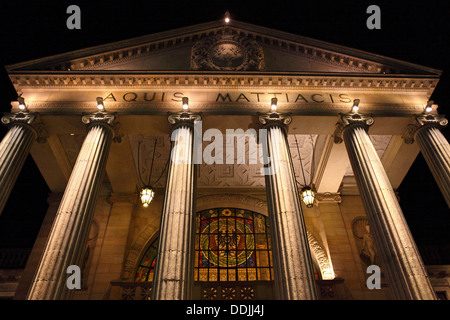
213	46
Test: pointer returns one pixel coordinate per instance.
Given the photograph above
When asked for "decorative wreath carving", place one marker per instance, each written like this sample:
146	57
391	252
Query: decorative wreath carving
227	53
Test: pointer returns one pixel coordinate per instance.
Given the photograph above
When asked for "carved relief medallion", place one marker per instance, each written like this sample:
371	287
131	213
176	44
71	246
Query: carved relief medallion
227	53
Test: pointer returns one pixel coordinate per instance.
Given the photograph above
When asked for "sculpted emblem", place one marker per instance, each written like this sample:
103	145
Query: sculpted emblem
227	53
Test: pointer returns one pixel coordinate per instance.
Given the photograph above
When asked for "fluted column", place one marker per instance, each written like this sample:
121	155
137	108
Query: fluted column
14	150
173	277
68	236
435	149
293	266
398	252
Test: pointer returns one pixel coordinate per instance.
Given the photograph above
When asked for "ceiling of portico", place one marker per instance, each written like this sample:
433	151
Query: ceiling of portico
219	175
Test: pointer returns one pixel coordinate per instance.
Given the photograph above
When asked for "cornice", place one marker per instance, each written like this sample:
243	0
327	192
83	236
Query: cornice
205	80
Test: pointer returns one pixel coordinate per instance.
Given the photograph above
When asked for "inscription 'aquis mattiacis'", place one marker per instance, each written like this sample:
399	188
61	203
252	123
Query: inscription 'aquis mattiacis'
231	97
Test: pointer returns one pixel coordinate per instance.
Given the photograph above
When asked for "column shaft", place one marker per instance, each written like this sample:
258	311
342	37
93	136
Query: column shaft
69	233
174	264
14	150
398	252
294	273
436	151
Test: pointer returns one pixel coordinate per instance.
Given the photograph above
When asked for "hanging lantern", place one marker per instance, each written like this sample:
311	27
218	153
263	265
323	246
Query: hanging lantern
147	195
308	197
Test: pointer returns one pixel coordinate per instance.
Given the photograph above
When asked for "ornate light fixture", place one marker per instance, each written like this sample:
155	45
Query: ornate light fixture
308	196
22	105
307	192
100	105
147	193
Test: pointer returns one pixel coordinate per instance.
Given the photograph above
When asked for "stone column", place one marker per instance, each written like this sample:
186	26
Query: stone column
69	234
173	277
398	252
14	150
293	266
435	149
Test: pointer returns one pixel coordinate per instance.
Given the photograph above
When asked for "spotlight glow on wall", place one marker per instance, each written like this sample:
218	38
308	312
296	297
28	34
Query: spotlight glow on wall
22	105
273	104
355	106
185	103
429	106
227	17
100	105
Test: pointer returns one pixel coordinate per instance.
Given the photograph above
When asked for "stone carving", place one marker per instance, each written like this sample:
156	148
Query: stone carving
321	257
365	241
226	52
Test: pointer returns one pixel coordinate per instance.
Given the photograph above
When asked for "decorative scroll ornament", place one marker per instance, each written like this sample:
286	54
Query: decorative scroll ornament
186	118
351	119
18	118
438	121
274	118
227	52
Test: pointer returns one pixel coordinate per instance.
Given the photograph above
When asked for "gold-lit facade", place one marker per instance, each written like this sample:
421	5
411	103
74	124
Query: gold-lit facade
225	219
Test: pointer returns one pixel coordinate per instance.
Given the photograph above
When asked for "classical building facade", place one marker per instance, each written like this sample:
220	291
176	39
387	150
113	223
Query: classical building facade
267	114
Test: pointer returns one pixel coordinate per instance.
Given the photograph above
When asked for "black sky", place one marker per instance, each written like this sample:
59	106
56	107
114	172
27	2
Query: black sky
413	31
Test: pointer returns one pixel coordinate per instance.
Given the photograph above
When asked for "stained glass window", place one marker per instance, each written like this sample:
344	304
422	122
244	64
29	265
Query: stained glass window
146	267
232	245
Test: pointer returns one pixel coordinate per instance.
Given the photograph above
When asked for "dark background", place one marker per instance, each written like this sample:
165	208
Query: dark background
413	31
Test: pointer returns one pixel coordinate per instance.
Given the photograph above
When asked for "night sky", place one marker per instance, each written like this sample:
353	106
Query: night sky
413	31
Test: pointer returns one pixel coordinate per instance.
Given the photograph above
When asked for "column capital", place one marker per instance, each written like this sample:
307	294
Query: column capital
27	119
18	118
434	120
104	118
274	118
183	118
423	120
351	119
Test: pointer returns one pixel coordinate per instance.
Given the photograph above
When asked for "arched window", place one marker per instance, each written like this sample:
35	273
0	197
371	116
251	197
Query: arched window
146	266
230	245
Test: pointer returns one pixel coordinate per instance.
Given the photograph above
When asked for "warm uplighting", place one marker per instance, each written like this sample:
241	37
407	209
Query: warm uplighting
308	197
273	104
147	195
355	106
227	17
185	102
22	105
429	106
100	105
